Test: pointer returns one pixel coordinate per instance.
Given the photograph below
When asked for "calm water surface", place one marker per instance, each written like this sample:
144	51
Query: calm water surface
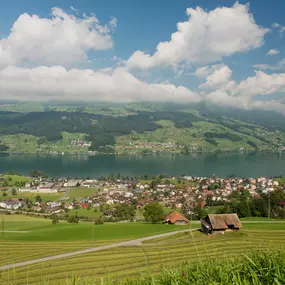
245	165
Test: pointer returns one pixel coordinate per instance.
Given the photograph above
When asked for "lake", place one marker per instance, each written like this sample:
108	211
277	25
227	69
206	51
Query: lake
220	164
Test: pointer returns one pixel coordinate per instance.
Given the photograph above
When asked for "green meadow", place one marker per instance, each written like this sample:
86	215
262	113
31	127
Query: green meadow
79	192
46	239
42	230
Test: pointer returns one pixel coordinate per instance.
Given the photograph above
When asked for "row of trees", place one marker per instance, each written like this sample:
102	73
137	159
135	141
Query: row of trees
267	205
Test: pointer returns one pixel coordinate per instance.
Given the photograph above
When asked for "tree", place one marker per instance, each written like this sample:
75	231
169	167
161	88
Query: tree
36	173
4	194
200	213
73	219
153	184
99	221
153	212
14	191
38	199
124	212
5	183
55	221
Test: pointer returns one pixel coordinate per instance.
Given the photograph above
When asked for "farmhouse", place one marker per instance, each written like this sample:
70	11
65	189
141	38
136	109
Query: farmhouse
46	188
175	218
220	223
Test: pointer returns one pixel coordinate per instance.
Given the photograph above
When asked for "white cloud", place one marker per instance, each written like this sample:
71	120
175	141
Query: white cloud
278	66
206	37
204	71
222	98
118	85
261	84
217	77
63	39
273	52
265	66
279	27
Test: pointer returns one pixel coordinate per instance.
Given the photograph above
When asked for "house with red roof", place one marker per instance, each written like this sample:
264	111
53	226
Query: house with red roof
175	218
84	206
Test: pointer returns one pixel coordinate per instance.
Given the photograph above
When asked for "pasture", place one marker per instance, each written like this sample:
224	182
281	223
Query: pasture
47	239
78	192
32	196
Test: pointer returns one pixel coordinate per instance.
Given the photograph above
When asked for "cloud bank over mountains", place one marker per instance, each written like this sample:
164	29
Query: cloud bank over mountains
43	59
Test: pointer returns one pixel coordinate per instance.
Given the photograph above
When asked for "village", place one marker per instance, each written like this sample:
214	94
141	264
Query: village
93	198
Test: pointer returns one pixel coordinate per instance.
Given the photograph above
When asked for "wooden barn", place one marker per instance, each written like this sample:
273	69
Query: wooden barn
214	223
175	218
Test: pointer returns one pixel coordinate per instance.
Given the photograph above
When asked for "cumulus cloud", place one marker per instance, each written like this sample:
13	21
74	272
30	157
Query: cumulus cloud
220	89
217	77
204	38
273	52
261	84
63	39
118	85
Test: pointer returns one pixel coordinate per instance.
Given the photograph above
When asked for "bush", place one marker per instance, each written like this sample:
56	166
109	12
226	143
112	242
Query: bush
99	221
55	221
74	219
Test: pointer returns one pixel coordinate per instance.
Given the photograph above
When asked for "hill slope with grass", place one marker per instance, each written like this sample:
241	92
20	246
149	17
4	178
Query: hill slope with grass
137	128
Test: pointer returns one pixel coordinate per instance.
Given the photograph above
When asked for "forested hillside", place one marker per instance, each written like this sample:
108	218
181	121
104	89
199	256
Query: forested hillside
144	127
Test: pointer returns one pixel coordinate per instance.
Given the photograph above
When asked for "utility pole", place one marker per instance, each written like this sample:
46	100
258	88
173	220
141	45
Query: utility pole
3	227
269	205
93	228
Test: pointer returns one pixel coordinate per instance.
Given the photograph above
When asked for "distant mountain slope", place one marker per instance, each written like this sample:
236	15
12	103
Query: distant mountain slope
145	127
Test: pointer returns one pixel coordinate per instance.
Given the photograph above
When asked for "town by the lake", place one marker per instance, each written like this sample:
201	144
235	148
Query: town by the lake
93	199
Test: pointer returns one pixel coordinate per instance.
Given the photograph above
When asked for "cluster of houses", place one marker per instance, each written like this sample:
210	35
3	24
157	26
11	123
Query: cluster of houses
79	143
188	192
152	146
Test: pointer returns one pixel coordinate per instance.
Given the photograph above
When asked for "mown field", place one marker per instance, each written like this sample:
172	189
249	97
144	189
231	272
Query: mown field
32	196
79	192
47	239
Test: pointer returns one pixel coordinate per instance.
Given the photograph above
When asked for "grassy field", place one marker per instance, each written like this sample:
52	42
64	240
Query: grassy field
82	192
124	261
12	180
29	144
44	196
91	213
42	230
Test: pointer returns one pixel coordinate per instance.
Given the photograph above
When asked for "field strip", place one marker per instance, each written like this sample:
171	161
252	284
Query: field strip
135	242
16	232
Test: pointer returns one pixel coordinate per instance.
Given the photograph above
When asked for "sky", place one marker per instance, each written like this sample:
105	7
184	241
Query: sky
221	51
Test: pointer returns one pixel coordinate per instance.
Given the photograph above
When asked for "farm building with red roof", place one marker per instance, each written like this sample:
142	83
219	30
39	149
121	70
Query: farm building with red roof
175	218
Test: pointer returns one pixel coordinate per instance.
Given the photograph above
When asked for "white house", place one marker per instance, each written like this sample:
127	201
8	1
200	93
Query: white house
46	188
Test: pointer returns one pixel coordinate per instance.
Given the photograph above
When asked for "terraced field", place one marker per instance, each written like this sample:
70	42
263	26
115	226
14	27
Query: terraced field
119	263
13	252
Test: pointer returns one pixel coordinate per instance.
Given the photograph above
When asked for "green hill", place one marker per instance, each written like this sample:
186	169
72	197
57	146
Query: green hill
138	128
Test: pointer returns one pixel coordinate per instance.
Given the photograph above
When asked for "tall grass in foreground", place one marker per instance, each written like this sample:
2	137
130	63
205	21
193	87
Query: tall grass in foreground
258	268
266	267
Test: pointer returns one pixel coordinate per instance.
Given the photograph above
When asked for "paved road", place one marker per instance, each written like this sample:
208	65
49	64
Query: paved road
65	196
135	242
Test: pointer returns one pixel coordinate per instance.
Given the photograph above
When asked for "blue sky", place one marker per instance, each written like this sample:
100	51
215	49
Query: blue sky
126	51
